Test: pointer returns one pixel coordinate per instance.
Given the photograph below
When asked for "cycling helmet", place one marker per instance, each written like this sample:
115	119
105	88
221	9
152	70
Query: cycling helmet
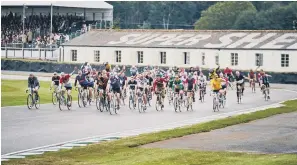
62	73
211	70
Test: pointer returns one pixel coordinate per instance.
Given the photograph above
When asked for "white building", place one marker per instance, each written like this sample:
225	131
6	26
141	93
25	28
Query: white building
275	50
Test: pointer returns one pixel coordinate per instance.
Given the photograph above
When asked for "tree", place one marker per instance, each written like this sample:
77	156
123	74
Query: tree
246	20
223	15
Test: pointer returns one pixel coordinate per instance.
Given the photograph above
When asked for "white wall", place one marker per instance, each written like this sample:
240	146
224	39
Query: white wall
246	58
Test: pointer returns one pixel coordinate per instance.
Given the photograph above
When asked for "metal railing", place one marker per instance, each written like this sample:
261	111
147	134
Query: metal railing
51	54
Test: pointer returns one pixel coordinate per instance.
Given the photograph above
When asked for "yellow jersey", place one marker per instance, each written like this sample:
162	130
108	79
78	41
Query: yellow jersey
216	84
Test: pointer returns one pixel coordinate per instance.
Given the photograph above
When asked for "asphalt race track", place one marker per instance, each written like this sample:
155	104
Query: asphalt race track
25	129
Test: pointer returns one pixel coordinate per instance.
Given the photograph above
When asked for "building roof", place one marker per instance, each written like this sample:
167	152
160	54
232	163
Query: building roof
195	39
76	4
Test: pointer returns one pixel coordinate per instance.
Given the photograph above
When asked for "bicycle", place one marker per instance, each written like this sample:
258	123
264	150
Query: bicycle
32	99
159	102
123	95
202	92
222	100
131	99
215	102
265	92
177	101
170	96
140	101
82	97
253	85
189	103
100	100
65	102
113	106
149	95
55	96
239	93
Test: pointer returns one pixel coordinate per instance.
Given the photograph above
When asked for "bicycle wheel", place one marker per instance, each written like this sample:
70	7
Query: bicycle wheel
214	106
158	107
84	99
139	102
79	100
69	102
29	101
265	95
131	102
37	102
112	106
116	105
61	103
175	104
54	98
98	103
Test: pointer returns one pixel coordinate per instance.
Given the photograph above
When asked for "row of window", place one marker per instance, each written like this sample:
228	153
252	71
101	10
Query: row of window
234	58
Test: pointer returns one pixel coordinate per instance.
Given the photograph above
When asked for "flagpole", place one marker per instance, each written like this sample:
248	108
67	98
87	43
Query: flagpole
51	19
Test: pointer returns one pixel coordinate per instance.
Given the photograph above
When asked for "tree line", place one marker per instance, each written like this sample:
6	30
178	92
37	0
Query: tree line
256	15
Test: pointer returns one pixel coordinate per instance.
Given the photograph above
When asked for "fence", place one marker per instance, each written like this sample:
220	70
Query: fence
51	54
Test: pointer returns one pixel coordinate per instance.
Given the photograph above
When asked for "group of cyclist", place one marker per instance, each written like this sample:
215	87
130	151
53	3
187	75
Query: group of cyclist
151	80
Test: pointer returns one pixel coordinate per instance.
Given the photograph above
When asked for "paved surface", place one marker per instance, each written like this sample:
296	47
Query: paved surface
277	134
25	129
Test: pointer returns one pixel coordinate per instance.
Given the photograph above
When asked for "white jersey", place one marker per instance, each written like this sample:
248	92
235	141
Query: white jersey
202	79
142	82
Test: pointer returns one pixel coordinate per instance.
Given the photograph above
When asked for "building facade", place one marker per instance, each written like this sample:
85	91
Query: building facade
274	51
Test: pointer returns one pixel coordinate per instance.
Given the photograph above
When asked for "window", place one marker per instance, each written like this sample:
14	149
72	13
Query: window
285	60
73	55
234	59
163	57
217	59
96	55
186	58
140	56
203	58
259	59
118	56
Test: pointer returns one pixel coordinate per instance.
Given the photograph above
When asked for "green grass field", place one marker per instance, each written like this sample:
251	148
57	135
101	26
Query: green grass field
126	151
13	92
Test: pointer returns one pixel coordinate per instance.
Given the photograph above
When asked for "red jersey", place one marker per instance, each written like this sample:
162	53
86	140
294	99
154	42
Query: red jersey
65	79
159	83
228	71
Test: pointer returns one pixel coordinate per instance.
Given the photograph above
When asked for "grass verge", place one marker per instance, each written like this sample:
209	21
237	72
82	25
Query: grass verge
13	92
127	152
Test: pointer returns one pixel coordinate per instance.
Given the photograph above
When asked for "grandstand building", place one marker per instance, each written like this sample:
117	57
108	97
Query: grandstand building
274	51
89	10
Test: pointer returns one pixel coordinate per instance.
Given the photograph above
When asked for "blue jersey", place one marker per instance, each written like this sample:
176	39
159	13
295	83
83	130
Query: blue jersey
115	82
81	79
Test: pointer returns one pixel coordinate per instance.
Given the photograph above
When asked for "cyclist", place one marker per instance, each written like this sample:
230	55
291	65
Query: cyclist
115	85
216	85
190	81
133	70
201	83
240	80
81	78
116	69
213	72
159	83
228	72
224	83
65	81
85	67
149	83
123	80
252	77
107	67
265	83
132	83
101	82
33	83
55	82
91	81
178	86
141	87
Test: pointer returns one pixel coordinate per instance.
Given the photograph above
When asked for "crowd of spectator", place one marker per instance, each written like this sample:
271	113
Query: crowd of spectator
37	31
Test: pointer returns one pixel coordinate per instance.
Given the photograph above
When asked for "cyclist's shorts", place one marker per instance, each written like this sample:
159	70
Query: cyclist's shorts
116	90
224	86
68	88
176	90
267	85
140	88
216	91
91	84
190	89
84	85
